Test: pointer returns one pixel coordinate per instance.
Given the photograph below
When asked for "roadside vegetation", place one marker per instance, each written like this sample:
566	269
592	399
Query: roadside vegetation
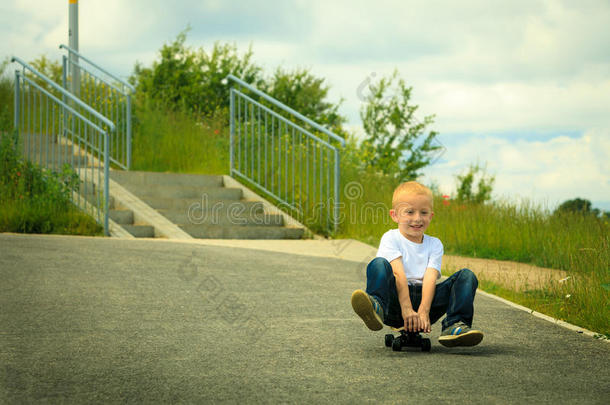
33	200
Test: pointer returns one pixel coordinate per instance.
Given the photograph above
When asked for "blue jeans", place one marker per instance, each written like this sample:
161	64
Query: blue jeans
454	296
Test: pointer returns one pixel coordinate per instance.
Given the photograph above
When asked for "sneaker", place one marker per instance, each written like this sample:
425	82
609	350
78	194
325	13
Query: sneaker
460	334
368	309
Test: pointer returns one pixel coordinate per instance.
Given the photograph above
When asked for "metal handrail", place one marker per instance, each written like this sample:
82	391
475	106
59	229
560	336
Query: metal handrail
114	101
76	53
287	109
39	137
63	105
284	158
64	92
287	122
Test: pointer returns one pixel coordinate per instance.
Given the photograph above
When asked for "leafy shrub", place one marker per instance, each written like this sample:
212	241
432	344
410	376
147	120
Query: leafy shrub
579	206
6	99
193	80
35	200
307	94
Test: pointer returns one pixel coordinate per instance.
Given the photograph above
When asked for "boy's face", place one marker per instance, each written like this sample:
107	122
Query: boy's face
412	213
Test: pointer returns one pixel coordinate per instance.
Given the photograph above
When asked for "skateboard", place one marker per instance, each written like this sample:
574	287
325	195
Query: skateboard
407	339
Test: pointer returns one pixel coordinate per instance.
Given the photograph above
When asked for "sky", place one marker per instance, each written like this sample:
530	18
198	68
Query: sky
521	87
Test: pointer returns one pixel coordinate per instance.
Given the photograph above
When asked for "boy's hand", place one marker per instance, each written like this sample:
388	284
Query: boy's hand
412	320
424	322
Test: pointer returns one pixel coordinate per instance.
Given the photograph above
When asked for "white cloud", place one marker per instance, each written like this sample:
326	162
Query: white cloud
501	106
555	170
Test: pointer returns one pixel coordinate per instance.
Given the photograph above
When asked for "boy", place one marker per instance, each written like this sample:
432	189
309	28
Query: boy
401	281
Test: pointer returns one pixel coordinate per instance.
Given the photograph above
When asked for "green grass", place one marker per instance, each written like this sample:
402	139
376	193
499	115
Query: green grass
176	141
35	200
576	243
28	216
505	230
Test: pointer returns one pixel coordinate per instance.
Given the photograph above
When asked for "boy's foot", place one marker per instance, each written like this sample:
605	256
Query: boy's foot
368	309
460	334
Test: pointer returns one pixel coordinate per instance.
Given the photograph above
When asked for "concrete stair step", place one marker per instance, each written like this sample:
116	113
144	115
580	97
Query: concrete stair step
55	149
198	206
57	162
140	231
91	197
170	179
122	217
183	191
210	217
201	206
242	232
44	140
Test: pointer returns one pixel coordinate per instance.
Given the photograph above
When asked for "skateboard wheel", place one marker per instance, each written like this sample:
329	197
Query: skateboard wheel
389	338
425	345
396	346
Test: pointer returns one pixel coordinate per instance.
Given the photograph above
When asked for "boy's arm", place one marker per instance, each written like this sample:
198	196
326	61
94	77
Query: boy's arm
410	317
428	290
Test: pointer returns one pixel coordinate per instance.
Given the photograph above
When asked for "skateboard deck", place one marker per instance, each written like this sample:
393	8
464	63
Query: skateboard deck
407	339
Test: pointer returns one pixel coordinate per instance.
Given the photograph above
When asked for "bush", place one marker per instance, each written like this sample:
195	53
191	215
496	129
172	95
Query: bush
578	206
35	200
6	99
307	94
192	80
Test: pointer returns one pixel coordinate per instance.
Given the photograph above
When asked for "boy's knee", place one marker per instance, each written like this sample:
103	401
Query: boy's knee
468	274
378	265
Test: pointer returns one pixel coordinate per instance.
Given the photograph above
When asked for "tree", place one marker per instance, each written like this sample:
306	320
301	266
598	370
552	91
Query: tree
307	94
577	205
193	79
392	131
6	98
484	186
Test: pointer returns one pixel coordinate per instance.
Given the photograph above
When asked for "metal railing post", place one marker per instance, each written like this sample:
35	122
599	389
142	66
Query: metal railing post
128	131
64	72
64	82
16	101
337	187
106	183
231	131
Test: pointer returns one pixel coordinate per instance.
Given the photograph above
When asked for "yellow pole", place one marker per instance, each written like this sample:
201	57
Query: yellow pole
73	43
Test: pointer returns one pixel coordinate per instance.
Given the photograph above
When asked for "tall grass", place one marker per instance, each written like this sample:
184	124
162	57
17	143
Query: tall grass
36	200
179	141
523	232
576	243
6	99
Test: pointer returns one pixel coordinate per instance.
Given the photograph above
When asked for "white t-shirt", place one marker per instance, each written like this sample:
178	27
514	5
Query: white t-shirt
416	257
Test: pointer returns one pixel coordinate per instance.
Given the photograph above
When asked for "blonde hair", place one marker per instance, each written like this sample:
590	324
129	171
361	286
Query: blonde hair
411	187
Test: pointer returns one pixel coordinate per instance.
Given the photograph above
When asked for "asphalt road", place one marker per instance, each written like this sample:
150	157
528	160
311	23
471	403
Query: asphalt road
106	320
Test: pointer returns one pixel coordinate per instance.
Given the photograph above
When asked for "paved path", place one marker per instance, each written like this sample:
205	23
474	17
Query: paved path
101	320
